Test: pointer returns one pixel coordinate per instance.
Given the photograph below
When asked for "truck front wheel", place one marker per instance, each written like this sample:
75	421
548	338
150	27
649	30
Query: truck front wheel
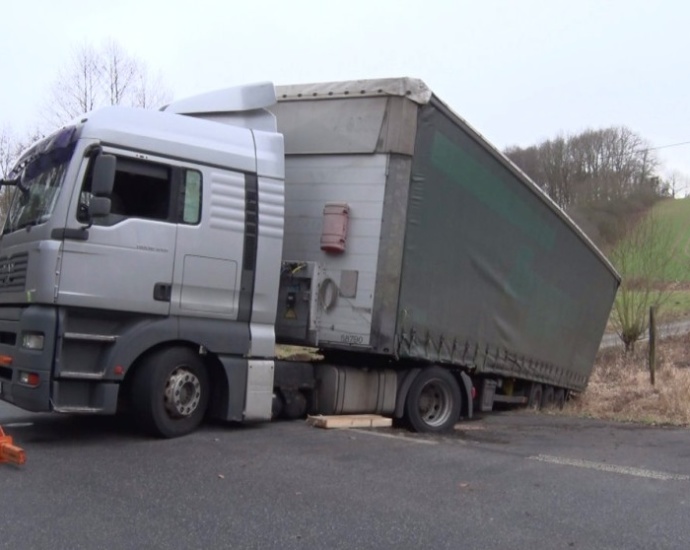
170	392
433	401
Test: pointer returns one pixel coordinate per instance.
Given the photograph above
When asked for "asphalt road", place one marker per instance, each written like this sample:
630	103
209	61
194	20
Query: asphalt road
676	328
511	480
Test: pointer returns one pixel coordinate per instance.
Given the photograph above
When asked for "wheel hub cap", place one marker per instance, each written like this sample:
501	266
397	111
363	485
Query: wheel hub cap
182	393
434	404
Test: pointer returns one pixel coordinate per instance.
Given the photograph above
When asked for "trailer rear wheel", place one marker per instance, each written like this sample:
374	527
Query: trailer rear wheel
535	396
433	401
170	392
277	405
548	399
559	398
295	404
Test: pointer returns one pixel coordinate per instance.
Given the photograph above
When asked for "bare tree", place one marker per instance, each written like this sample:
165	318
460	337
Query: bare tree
95	78
556	168
10	147
593	166
77	88
643	258
120	72
149	92
7	150
676	184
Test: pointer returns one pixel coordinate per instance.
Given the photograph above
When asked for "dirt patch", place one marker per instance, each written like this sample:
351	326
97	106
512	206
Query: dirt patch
620	387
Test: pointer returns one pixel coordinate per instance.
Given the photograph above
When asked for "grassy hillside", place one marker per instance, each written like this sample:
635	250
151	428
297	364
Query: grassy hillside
619	387
674	216
659	251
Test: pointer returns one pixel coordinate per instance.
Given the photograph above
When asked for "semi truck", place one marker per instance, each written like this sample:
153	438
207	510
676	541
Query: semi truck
151	261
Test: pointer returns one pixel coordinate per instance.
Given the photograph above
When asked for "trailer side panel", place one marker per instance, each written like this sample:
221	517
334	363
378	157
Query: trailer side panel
492	277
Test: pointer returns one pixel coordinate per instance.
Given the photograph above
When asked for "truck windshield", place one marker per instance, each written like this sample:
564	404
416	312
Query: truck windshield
40	174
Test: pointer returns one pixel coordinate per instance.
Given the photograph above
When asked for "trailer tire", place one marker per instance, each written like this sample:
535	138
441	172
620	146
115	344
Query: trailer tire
170	392
295	404
433	402
548	398
559	399
535	396
277	405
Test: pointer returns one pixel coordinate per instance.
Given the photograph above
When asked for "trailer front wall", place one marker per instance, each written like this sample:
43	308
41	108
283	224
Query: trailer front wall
354	150
345	281
492	276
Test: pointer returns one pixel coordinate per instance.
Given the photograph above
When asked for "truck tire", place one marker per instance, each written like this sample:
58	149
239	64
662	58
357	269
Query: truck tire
535	396
548	398
170	392
559	399
433	402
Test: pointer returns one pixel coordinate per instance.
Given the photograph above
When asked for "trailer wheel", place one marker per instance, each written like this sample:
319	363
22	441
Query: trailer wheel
170	392
277	405
548	398
295	404
559	399
433	401
535	395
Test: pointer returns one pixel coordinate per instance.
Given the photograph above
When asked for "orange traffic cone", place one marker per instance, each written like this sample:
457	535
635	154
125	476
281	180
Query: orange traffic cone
9	452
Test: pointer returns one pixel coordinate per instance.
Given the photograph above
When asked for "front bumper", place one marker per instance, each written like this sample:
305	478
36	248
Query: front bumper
15	359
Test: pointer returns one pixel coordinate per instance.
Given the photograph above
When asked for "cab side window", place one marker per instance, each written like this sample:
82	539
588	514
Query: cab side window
191	197
141	190
149	190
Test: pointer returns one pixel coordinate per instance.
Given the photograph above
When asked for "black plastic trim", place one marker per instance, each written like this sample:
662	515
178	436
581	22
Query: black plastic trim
162	292
62	233
251	237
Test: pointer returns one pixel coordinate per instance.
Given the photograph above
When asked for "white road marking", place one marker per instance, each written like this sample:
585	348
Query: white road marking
604	467
393	436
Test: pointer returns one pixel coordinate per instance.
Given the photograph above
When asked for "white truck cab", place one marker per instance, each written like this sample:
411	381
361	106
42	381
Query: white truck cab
178	247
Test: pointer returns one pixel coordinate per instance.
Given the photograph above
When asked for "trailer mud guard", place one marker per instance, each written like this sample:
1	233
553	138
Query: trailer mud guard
467	386
402	392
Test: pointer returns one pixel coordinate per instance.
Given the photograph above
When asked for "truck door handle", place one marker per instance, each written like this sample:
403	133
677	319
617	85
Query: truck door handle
162	292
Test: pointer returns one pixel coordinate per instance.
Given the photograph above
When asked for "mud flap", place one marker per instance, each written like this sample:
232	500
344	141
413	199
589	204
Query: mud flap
467	387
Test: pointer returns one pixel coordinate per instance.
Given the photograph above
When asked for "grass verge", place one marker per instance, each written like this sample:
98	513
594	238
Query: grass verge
619	388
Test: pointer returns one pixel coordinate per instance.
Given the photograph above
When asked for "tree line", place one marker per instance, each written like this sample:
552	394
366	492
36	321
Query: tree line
602	177
593	166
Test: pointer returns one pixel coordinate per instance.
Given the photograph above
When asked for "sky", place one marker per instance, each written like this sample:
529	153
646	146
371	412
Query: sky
518	71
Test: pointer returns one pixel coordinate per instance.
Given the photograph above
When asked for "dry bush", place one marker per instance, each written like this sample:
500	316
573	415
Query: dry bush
620	389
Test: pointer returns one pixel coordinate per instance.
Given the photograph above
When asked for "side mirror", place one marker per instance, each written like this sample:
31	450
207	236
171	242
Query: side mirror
99	207
103	177
14	183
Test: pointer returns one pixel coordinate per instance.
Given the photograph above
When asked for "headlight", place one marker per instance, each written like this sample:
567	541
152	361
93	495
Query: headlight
32	340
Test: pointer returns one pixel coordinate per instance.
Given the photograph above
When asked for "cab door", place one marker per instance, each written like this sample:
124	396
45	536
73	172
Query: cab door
125	260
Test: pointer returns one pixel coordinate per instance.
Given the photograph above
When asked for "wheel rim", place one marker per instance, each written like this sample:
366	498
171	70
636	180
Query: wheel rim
435	403
182	393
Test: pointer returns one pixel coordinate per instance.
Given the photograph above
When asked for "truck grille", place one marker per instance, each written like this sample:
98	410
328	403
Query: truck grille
13	272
